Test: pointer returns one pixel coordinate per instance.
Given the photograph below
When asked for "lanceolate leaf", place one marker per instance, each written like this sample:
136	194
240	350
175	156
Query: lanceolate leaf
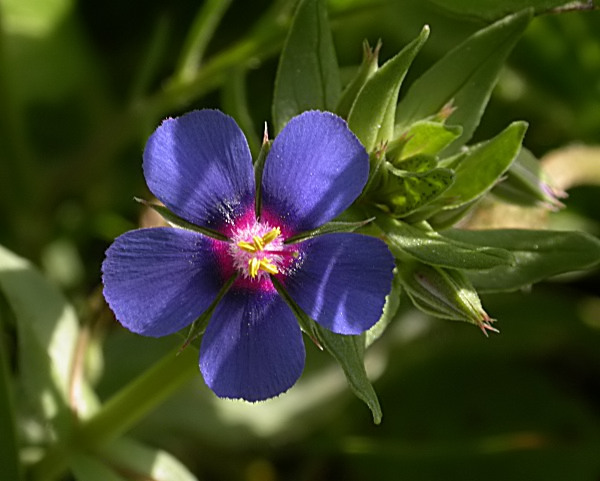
432	248
347	350
494	9
349	353
539	254
373	112
144	462
308	74
427	137
465	77
483	166
47	329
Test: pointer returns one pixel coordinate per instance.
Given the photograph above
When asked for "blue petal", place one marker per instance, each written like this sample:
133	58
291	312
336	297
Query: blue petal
159	280
315	169
342	281
199	165
252	348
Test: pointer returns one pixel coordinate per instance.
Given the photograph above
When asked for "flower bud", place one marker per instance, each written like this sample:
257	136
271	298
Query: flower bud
445	293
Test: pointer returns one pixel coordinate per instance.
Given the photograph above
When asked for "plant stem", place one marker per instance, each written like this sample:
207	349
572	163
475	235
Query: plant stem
121	412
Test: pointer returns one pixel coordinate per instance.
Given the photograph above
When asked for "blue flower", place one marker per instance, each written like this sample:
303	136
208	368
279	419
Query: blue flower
159	280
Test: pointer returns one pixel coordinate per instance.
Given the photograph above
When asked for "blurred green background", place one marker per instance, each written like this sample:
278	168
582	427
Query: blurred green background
84	83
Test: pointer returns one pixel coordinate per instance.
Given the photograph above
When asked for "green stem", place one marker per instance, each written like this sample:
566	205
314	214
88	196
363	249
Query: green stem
203	28
121	412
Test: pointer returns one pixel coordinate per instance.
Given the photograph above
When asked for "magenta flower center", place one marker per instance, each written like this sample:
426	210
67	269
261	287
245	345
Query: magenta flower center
257	250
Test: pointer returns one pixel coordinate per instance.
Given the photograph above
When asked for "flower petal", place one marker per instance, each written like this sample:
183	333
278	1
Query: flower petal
342	281
315	169
159	280
199	165
252	348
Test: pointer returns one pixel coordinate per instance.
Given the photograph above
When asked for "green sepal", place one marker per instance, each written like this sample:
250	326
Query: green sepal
306	323
199	325
539	254
176	221
399	192
372	115
329	228
464	77
367	68
349	352
409	242
424	137
443	293
308	75
417	164
391	309
259	166
482	166
526	184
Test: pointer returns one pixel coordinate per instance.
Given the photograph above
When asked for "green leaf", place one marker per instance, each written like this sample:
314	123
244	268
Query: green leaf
464	77
539	254
89	468
47	331
526	184
432	248
349	353
480	168
427	138
9	454
347	350
372	115
367	68
329	228
401	192
493	9
143	462
308	74
176	221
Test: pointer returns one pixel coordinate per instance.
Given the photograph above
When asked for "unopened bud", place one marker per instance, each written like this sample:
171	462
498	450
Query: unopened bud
444	293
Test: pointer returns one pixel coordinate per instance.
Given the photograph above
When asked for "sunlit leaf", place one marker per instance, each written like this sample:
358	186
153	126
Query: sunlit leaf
144	462
481	167
539	254
349	352
464	77
47	330
432	248
373	112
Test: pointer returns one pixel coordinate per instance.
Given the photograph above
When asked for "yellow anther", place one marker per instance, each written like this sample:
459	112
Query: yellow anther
271	235
258	243
253	267
267	266
246	246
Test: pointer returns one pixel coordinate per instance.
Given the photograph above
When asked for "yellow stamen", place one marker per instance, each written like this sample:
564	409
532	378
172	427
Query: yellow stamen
258	243
267	266
246	246
253	267
271	235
